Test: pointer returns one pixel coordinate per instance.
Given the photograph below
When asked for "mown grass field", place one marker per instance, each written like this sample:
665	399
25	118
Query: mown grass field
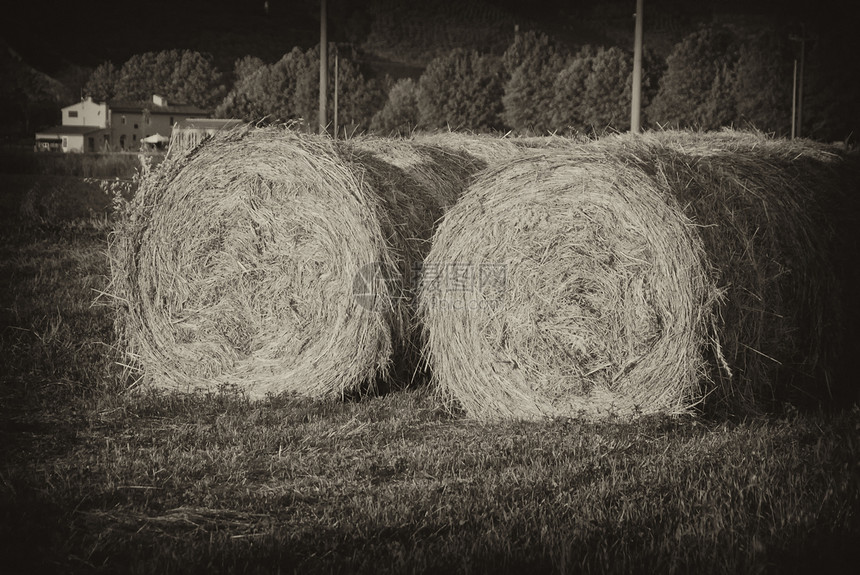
99	477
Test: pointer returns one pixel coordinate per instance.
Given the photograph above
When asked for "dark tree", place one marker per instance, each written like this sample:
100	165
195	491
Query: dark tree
288	90
245	67
269	93
608	93
698	86
358	97
462	90
831	104
533	62
182	76
28	98
762	90
569	87
399	116
102	83
594	91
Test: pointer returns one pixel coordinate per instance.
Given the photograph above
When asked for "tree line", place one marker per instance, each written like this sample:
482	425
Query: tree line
716	76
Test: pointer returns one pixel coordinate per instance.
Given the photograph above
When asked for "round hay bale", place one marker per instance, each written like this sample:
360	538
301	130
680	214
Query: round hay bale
487	148
644	274
493	150
272	261
565	283
236	267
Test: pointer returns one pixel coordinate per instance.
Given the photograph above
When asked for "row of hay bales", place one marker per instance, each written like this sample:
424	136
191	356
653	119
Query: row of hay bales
533	277
273	261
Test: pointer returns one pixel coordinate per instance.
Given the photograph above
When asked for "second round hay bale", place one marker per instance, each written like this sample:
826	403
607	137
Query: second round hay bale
271	261
642	275
567	284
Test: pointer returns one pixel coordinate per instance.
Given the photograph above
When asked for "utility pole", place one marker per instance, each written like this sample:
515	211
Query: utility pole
794	103
636	111
323	68
800	89
797	93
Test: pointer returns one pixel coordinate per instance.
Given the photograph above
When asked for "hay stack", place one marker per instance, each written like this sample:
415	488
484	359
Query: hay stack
495	150
566	284
272	262
636	275
490	150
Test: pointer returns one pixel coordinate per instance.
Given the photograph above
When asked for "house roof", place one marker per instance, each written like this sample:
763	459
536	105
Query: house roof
207	124
69	130
136	107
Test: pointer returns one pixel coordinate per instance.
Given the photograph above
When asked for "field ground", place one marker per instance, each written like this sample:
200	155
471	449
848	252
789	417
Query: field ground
98	478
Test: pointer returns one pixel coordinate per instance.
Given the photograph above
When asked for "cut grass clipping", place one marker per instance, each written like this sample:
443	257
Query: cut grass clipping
632	276
271	261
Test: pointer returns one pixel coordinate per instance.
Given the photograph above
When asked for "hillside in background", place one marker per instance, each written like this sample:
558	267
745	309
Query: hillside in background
63	42
28	98
54	36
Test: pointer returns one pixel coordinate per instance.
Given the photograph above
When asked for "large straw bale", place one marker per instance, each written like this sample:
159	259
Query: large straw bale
493	149
273	261
640	274
565	283
236	267
487	148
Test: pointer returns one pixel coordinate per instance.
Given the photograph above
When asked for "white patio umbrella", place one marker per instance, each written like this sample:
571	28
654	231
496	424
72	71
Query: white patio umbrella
155	139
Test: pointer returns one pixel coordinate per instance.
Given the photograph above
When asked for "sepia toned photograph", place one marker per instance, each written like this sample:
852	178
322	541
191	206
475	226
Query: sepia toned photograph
413	287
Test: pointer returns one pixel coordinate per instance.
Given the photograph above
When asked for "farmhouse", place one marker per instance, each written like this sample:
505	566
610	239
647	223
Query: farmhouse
90	126
85	128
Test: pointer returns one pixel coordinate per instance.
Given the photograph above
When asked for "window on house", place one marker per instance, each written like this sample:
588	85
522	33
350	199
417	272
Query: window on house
122	141
123	120
65	142
134	136
135	126
171	120
92	143
73	113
